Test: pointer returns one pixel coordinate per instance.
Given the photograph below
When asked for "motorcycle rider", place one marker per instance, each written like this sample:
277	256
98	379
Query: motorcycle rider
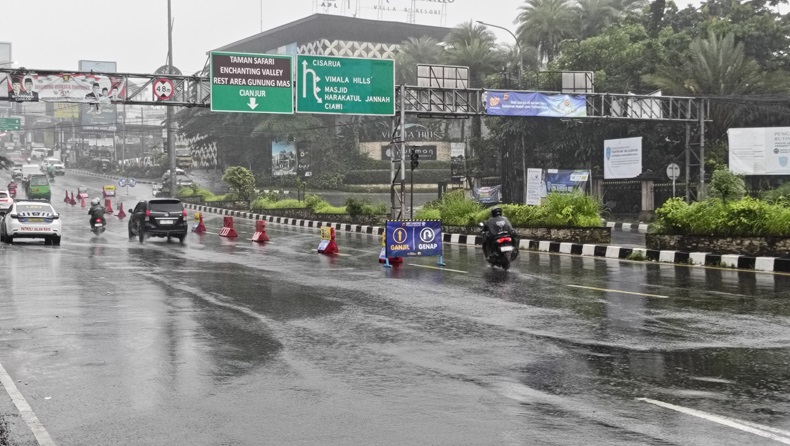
12	188
51	171
494	226
97	211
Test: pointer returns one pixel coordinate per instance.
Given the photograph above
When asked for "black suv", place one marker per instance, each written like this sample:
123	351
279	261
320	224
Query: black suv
159	217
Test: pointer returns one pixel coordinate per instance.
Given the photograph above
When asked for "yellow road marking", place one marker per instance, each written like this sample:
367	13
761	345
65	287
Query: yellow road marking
619	291
439	268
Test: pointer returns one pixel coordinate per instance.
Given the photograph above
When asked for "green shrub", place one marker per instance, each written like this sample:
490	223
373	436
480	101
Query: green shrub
727	185
428	214
745	217
780	195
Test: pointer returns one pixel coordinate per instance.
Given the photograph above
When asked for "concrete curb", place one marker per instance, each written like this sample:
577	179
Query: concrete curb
766	264
641	228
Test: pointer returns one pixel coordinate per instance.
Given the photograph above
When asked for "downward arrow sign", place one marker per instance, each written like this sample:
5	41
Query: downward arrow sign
253	103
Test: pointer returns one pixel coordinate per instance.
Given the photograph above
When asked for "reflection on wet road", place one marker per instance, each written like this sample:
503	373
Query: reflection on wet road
222	341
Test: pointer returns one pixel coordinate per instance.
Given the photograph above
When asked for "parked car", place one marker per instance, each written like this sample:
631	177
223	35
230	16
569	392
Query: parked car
31	219
39	153
158	217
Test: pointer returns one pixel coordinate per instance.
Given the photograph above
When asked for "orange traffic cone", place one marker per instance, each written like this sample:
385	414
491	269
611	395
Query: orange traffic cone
83	201
108	206
72	201
200	227
121	213
66	200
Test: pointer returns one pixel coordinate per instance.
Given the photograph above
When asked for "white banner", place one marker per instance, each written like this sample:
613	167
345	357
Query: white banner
622	158
760	151
535	187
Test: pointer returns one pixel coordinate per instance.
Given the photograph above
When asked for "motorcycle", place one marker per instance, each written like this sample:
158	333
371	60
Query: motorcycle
500	249
98	225
12	192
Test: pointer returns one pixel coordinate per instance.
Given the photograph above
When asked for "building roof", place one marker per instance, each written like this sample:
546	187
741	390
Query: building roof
334	27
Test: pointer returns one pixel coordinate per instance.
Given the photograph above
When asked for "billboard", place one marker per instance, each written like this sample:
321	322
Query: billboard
622	158
511	103
413	238
101	115
760	151
283	158
487	194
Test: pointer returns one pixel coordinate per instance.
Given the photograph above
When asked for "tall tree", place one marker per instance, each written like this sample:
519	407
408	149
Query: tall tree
544	24
718	66
594	16
416	50
474	46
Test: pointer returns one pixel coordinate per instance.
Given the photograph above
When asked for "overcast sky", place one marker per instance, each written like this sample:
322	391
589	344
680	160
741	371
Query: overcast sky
56	34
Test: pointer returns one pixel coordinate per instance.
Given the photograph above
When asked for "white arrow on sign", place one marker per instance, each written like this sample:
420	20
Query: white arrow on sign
253	103
316	88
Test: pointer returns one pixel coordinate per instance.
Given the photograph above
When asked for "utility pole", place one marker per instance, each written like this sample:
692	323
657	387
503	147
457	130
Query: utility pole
170	146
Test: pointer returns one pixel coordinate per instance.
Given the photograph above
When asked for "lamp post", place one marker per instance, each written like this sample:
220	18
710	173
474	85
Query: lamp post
518	51
520	85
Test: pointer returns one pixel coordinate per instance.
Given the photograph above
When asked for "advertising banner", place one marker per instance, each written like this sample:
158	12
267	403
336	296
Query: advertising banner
487	195
413	238
509	103
760	151
535	188
558	180
622	158
64	87
101	115
283	158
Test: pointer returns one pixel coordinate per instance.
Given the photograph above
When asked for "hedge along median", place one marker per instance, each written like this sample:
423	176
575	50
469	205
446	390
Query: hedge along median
561	217
747	226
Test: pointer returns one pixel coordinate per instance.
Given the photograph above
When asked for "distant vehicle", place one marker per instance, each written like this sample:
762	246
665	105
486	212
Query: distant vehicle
39	153
30	219
60	168
182	179
29	169
6	200
38	187
183	158
158	217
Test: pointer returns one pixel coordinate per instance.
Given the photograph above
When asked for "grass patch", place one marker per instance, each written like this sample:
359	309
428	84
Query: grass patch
636	256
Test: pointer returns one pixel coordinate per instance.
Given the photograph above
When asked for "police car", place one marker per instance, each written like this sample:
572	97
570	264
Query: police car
31	219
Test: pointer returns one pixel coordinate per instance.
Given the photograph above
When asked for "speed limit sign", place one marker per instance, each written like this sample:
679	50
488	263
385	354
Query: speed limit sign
163	89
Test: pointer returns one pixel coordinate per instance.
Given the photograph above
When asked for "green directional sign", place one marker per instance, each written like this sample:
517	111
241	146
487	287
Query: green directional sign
10	124
345	85
251	83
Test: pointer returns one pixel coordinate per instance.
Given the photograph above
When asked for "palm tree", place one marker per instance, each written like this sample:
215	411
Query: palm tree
544	24
594	16
421	50
473	46
718	66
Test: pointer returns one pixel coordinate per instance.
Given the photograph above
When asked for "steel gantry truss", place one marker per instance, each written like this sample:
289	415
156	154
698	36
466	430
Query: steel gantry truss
433	102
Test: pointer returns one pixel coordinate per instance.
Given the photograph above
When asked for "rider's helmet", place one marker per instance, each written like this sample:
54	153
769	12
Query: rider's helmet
496	211
95	201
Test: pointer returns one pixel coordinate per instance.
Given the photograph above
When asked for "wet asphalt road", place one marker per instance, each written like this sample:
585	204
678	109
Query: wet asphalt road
226	342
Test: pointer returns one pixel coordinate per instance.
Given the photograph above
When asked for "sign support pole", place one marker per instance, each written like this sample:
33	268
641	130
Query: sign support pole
402	147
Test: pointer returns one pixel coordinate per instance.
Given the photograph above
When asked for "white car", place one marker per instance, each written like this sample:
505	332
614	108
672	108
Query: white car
60	168
5	201
31	219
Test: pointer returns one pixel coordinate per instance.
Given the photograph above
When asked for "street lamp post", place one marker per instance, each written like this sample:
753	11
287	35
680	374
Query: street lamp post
520	86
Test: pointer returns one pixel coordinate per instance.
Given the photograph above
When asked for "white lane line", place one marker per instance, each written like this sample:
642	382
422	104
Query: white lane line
746	426
659	296
439	268
41	434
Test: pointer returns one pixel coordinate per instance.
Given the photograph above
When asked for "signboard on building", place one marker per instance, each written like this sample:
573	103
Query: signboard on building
251	83
427	153
345	85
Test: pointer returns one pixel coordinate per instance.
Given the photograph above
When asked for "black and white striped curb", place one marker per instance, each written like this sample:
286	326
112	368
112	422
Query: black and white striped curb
109	177
767	264
641	228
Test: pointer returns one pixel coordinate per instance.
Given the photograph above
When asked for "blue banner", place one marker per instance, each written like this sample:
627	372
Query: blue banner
413	238
488	194
509	103
566	180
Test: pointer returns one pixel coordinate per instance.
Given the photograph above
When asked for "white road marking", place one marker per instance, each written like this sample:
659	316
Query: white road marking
439	268
41	434
746	426
619	291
